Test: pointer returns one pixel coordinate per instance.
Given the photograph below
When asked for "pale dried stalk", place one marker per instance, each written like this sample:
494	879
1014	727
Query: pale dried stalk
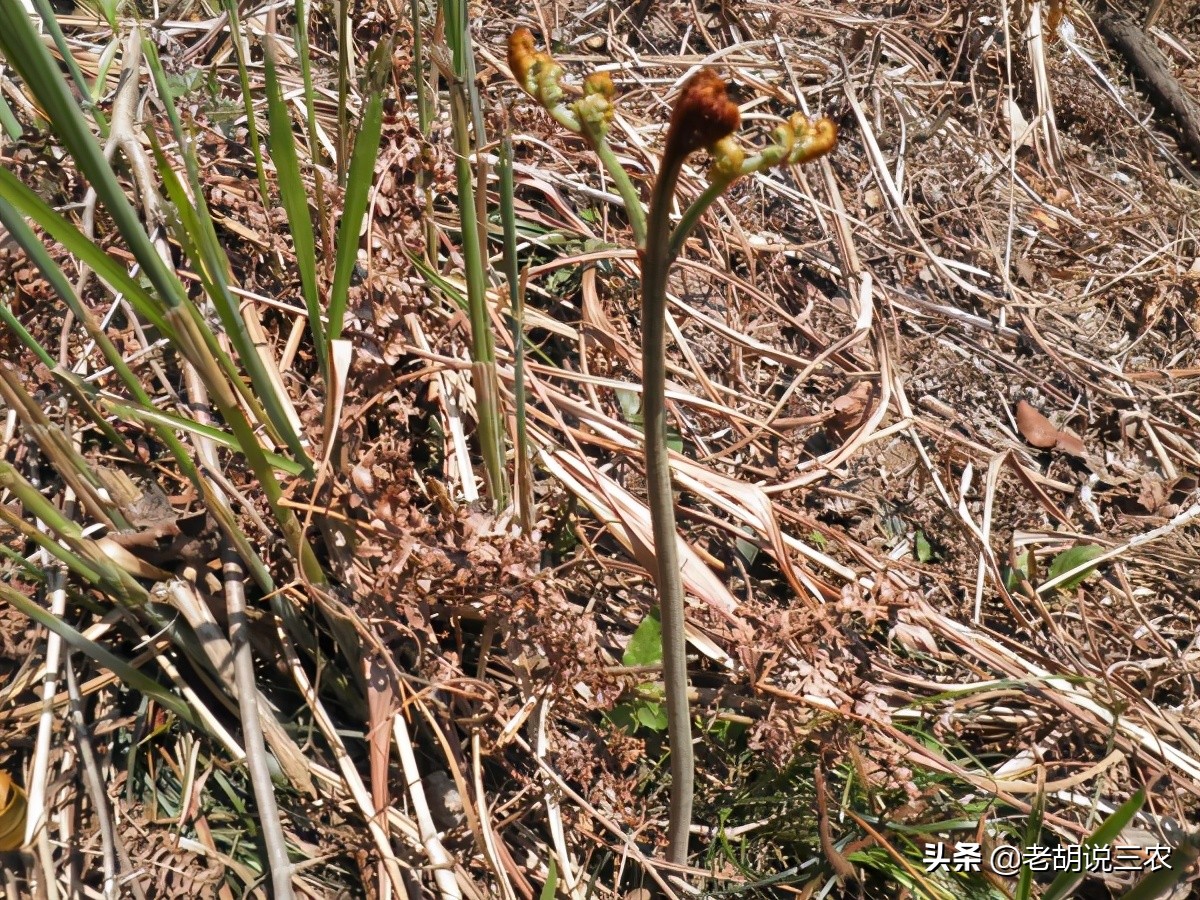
439	859
256	750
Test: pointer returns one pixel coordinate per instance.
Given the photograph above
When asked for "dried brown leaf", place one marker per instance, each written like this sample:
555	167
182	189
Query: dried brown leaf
1035	427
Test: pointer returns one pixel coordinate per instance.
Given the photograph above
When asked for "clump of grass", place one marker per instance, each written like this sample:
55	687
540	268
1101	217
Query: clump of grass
456	62
108	443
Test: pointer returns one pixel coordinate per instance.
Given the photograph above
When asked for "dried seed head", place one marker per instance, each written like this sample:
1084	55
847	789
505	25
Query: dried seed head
703	114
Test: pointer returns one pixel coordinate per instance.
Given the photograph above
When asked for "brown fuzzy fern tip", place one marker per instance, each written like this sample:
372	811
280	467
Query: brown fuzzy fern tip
522	54
703	115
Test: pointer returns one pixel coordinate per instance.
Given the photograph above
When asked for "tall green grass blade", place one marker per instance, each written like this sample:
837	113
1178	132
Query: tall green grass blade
8	121
342	11
104	64
199	238
1033	830
424	106
454	13
310	98
159	75
458	34
550	888
50	22
522	469
314	139
1105	834
14	325
487	398
240	53
358	185
295	203
420	71
150	416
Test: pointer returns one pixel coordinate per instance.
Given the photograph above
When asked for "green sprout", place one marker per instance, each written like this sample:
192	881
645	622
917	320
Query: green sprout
703	118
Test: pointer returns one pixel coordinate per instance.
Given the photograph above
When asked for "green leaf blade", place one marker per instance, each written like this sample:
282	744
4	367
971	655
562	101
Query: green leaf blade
1071	559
